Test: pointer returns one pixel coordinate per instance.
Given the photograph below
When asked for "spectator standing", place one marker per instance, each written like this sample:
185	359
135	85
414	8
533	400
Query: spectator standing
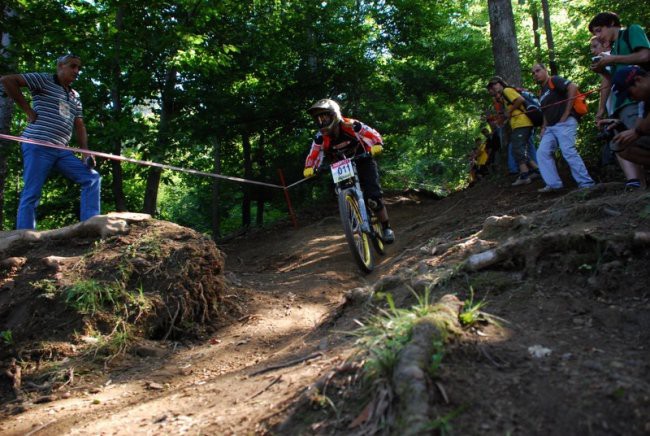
497	122
606	102
56	112
630	46
599	49
558	130
492	145
481	157
521	126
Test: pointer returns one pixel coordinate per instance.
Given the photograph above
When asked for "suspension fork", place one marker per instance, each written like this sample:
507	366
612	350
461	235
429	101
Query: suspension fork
365	219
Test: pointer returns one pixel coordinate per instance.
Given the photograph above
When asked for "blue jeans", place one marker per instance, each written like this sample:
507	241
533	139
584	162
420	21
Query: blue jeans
562	135
38	161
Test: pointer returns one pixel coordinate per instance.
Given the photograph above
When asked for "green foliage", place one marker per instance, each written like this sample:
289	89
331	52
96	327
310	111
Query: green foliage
89	296
121	307
47	286
471	312
175	83
112	344
443	424
384	335
7	337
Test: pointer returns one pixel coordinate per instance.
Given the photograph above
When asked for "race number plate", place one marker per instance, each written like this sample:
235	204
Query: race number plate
342	170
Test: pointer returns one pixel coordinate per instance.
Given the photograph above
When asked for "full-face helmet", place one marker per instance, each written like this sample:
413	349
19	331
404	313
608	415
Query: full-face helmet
327	115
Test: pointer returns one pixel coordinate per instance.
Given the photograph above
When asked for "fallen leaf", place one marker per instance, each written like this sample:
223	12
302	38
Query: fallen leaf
363	416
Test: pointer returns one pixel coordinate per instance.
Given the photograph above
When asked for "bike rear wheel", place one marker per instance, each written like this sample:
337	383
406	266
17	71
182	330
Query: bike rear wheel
358	241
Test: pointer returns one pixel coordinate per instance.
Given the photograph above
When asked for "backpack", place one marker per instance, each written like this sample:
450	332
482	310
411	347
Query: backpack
531	103
579	103
625	36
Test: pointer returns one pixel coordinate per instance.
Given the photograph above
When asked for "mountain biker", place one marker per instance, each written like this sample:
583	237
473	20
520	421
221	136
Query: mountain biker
353	137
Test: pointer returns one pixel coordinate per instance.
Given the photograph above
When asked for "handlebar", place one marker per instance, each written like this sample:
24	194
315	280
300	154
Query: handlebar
355	157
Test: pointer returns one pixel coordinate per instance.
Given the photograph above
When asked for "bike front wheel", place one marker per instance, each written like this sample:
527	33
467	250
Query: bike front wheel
358	241
377	231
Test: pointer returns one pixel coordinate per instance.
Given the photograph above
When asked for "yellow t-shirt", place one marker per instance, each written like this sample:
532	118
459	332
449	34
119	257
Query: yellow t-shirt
482	156
517	118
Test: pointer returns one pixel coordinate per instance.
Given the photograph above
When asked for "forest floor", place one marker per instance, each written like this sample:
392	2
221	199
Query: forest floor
570	353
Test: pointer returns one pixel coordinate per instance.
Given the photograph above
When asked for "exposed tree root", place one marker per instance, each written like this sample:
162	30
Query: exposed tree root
410	379
13	373
100	225
530	248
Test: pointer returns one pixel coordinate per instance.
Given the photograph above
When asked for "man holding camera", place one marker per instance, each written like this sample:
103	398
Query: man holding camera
633	144
629	46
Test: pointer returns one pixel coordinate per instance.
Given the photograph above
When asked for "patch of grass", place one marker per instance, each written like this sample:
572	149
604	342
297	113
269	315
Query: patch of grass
443	423
89	296
113	305
384	335
48	287
150	245
471	312
113	344
7	337
137	301
119	339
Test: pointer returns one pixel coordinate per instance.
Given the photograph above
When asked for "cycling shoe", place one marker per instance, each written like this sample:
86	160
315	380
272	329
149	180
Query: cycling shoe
389	236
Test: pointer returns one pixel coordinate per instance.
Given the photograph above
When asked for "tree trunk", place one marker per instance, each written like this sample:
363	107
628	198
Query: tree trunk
216	200
248	171
116	145
151	191
167	113
504	41
260	191
549	38
6	115
534	14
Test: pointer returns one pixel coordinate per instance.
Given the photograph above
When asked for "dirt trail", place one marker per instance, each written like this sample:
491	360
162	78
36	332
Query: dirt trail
292	284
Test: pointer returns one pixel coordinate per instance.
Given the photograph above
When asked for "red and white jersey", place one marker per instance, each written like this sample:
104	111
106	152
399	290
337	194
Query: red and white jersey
351	133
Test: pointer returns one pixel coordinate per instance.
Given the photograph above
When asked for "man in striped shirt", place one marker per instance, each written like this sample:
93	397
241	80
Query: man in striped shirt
55	112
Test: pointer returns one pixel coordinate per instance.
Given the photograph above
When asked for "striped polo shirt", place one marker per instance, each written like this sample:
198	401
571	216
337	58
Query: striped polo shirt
56	109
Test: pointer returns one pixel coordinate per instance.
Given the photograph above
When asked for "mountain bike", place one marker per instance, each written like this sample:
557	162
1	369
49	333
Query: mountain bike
360	224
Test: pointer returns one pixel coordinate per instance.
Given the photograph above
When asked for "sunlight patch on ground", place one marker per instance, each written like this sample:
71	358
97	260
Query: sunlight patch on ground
326	239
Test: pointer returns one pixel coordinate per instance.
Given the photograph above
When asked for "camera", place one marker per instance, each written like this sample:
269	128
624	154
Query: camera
608	131
596	59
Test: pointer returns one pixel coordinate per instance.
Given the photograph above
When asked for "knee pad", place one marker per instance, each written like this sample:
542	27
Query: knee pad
375	204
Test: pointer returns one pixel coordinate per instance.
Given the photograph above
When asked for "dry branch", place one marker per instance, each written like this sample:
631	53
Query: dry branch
287	364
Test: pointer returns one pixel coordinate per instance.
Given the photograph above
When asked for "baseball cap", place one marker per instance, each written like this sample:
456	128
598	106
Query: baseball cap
622	80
